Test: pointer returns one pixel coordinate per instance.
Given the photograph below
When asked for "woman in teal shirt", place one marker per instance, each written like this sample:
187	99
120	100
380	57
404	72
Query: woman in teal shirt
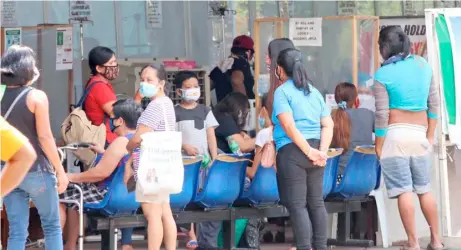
303	130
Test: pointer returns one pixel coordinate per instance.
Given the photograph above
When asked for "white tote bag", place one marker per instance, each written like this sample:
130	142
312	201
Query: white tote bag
161	168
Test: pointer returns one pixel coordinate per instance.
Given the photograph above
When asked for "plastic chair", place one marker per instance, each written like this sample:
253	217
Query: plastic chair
191	174
360	175
224	182
117	200
331	170
263	189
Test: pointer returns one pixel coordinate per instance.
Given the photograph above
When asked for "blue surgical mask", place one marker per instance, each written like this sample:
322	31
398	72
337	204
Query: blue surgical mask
262	122
190	95
148	90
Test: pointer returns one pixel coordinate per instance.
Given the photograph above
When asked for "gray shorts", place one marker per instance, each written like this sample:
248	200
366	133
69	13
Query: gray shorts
406	160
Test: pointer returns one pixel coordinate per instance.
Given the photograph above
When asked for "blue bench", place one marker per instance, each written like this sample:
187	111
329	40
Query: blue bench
225	184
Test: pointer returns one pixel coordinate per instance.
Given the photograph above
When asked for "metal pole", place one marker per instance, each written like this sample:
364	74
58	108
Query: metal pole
81	40
223	23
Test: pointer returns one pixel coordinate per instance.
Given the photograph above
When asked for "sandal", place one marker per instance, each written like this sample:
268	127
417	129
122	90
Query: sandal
430	247
192	244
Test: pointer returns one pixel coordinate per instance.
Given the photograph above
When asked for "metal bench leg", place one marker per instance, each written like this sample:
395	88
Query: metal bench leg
105	240
228	228
344	234
112	235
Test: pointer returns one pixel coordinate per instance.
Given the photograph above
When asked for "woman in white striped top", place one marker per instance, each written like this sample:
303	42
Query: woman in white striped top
158	115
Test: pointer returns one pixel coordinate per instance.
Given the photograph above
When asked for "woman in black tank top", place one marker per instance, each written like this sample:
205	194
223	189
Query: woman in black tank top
27	109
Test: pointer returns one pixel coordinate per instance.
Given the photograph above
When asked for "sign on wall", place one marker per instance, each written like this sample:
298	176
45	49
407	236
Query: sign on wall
9	13
154	16
306	31
64	52
347	8
12	36
80	11
415	28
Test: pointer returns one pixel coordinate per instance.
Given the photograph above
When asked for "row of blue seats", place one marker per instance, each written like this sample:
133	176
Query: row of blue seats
224	184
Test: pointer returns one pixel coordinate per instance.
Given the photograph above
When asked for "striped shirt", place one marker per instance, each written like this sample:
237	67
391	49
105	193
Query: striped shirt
154	118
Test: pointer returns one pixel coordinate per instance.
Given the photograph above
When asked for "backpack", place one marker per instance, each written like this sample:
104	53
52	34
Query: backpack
77	128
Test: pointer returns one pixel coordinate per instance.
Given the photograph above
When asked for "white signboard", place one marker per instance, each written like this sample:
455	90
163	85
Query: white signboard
64	52
306	31
9	13
80	11
12	36
347	8
154	14
415	28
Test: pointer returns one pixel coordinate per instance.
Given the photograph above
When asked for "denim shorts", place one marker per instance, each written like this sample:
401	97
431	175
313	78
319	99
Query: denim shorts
406	160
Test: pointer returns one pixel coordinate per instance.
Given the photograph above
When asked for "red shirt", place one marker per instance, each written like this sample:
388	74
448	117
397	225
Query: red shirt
100	94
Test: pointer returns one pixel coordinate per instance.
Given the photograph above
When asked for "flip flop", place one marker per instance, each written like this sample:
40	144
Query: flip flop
430	247
192	244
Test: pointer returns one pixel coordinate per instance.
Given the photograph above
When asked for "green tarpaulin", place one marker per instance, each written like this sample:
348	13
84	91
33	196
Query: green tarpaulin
447	67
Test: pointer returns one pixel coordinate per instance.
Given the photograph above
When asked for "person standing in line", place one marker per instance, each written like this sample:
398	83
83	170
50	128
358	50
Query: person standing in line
98	105
27	109
234	74
101	97
197	125
407	108
159	116
303	130
17	153
273	50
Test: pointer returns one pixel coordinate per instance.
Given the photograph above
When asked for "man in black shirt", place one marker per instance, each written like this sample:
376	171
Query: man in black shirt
234	74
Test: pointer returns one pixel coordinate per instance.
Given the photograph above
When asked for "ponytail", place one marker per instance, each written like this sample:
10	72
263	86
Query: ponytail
342	128
300	78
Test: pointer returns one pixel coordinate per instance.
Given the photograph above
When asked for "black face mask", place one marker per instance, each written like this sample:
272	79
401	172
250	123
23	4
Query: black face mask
113	127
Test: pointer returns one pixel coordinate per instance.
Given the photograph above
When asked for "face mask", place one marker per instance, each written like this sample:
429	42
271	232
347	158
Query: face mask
113	127
148	90
111	72
262	122
190	95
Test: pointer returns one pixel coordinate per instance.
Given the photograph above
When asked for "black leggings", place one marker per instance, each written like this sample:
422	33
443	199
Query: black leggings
300	187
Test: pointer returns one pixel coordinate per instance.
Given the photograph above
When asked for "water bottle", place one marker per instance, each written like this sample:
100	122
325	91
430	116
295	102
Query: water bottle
205	161
233	145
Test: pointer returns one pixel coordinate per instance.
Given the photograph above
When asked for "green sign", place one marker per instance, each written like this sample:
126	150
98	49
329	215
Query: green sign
2	91
60	38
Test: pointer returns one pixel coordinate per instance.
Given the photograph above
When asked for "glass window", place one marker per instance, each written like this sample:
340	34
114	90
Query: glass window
366	8
389	8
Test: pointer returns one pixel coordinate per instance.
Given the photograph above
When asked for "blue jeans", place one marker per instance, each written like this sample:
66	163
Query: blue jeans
41	188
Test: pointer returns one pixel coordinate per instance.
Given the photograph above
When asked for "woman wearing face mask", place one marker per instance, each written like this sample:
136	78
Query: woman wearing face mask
273	50
27	109
98	104
303	130
159	116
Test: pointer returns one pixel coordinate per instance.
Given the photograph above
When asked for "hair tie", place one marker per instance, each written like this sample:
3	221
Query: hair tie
342	105
297	60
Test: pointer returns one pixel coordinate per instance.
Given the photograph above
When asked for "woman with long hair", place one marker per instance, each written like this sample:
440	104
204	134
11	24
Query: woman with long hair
353	126
407	106
273	50
303	130
27	109
159	116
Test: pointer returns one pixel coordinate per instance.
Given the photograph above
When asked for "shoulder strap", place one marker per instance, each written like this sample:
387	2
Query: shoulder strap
23	92
85	95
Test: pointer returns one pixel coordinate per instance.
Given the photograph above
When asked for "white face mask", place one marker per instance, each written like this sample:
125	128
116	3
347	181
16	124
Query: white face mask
190	95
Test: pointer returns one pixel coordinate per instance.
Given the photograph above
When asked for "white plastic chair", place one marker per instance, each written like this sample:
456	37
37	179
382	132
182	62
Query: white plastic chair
382	214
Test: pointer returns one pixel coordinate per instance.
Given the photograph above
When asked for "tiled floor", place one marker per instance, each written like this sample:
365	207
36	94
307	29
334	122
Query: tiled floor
451	244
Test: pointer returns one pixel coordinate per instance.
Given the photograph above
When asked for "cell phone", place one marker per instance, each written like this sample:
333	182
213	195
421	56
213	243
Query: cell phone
131	185
84	145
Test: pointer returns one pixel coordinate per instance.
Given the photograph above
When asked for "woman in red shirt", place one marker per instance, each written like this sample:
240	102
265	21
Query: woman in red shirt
98	104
